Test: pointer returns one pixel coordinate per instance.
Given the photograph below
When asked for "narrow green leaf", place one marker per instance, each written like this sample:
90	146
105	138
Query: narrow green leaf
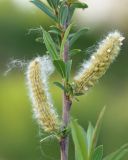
74	52
60	66
119	154
90	131
98	153
63	14
122	154
44	8
55	3
55	30
58	84
77	35
68	69
79	139
70	13
77	156
65	39
55	27
96	132
79	5
50	45
98	126
50	3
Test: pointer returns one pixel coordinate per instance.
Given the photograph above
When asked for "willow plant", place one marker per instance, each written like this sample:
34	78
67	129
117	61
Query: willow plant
58	41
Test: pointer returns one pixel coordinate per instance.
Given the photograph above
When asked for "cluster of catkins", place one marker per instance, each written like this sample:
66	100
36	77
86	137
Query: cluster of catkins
41	68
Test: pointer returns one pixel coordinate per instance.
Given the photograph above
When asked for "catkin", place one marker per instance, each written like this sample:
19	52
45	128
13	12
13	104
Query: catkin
37	75
99	62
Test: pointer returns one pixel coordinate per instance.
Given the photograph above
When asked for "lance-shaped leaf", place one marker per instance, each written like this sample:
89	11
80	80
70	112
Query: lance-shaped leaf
98	153
50	45
80	142
96	133
65	39
60	66
44	8
70	13
90	131
77	35
55	30
79	5
119	154
63	14
53	3
50	3
74	52
60	85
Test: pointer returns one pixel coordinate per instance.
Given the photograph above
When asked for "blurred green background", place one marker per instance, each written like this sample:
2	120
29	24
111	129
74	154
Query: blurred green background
19	134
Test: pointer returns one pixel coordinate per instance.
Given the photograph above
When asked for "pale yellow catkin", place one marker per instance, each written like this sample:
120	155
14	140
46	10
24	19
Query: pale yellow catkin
37	84
99	62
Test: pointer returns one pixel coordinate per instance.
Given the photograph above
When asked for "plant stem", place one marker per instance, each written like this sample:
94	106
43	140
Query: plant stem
64	142
64	148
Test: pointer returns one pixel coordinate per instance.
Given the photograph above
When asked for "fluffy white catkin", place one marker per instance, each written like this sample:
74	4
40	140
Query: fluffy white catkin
37	76
99	62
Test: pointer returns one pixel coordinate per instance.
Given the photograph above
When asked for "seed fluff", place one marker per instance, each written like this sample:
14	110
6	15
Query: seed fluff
37	77
99	62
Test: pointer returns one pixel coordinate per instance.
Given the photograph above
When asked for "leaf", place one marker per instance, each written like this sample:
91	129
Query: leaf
77	35
74	52
58	84
63	14
119	154
50	3
65	39
60	66
68	69
70	13
56	3
53	3
50	45
98	153
90	131
44	8
55	30
98	126
77	156
79	139
79	5
96	132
